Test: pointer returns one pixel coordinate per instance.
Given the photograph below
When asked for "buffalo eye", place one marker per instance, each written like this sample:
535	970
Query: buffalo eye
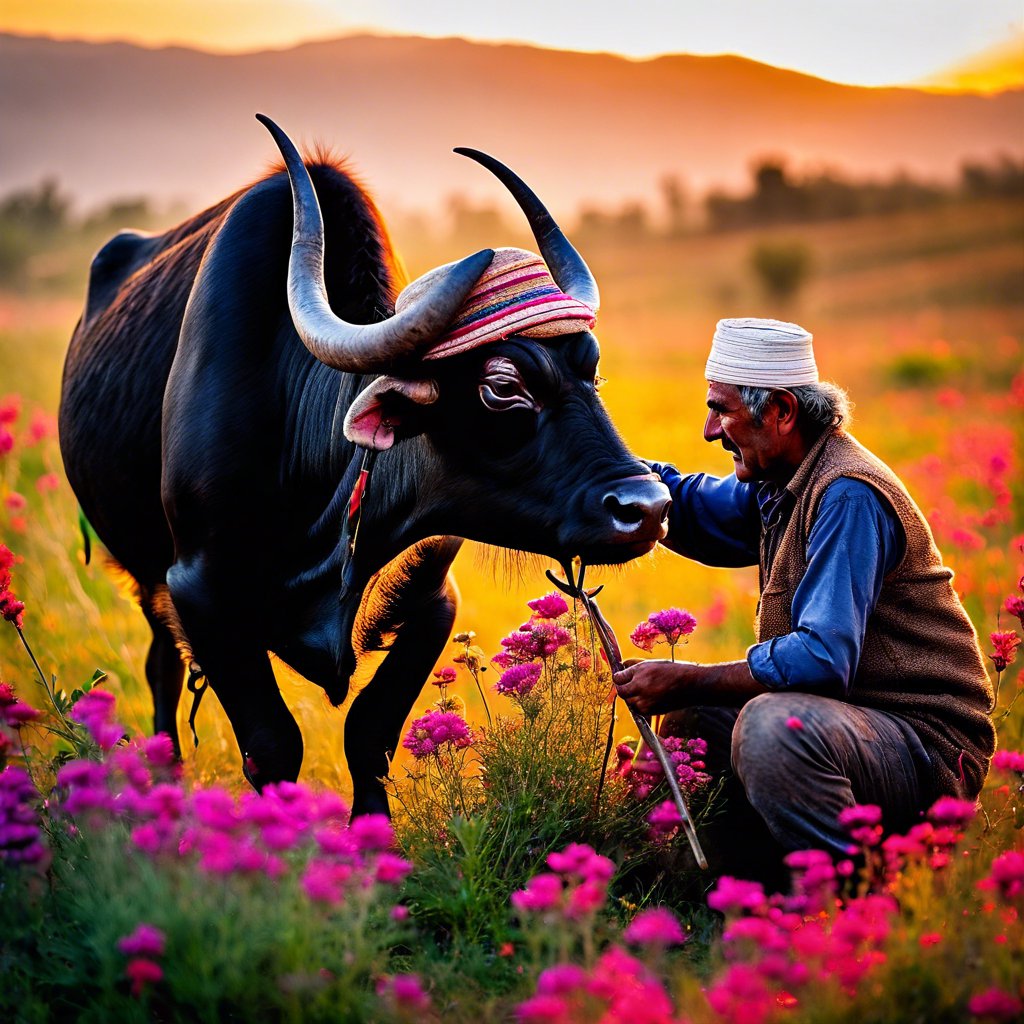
502	387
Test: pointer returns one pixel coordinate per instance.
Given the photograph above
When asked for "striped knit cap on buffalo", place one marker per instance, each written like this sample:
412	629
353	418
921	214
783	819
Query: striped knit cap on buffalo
515	295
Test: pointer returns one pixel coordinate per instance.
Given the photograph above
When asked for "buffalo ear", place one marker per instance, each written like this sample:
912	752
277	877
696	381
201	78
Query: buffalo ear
388	410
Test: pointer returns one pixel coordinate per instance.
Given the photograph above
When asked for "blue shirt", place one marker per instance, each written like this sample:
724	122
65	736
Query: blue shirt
855	541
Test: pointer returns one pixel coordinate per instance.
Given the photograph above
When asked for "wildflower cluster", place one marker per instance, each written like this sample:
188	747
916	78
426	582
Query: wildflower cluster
643	772
437	731
669	626
575	887
144	947
11	608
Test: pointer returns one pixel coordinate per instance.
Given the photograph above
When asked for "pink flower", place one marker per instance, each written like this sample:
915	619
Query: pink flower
518	680
550	606
860	815
1004	648
1008	761
1015	606
10	408
664	818
325	882
584	899
40	427
436	730
1007	875
399	913
95	710
15	501
372	832
947	810
47	482
542	892
142	973
579	860
391	869
732	895
645	636
674	623
655	927
144	941
996	1005
444	676
794	723
21	838
406	993
6	441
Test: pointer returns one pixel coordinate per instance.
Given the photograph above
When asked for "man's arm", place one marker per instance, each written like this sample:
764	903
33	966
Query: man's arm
855	541
657	687
713	520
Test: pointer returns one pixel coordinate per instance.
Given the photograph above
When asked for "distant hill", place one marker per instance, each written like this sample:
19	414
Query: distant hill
116	119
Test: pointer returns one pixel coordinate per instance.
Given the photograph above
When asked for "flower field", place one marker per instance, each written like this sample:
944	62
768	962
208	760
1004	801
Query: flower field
534	870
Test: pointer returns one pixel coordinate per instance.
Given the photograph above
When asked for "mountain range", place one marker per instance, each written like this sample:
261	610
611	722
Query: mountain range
114	119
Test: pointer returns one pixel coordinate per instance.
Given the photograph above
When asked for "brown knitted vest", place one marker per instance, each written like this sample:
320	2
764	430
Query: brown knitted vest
920	659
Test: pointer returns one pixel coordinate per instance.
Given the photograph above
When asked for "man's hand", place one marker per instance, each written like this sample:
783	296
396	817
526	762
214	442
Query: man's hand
657	687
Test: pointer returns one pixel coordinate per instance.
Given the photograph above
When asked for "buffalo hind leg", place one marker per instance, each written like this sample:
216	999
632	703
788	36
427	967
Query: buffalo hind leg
415	597
165	672
236	665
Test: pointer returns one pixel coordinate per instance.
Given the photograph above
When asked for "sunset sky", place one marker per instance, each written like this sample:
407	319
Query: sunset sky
864	42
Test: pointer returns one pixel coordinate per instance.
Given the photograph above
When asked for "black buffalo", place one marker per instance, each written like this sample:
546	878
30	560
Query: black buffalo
202	425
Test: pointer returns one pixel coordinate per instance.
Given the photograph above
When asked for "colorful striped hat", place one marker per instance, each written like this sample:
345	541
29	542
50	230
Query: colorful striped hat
515	295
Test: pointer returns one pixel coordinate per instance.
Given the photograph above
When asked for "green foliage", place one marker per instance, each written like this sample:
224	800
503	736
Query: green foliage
781	268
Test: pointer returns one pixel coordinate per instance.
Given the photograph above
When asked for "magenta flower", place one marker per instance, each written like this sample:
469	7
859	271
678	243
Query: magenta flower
550	606
444	676
142	973
863	822
405	993
21	838
1008	761
995	1005
947	810
1007	875
372	832
1004	648
518	680
391	870
95	710
580	861
324	882
645	636
144	941
436	730
1015	606
664	818
655	927
542	892
794	723
668	626
733	895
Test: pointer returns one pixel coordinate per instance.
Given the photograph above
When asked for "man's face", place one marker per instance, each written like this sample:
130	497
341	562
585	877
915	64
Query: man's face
755	450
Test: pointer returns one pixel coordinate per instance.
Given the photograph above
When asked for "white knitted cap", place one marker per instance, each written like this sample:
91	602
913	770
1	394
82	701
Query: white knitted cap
761	353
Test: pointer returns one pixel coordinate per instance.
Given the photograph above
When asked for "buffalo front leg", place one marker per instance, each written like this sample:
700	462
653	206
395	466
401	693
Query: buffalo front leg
226	644
415	598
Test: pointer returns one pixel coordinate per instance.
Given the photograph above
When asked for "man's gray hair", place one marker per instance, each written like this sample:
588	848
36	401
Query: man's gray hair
823	404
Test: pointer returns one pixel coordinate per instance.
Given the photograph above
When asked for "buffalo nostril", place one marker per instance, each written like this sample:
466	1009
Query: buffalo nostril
665	509
629	512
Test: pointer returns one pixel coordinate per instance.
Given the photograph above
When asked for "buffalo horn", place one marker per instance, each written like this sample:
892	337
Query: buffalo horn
358	348
567	266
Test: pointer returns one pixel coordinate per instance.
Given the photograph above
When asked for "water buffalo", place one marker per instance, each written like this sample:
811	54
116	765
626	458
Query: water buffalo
220	395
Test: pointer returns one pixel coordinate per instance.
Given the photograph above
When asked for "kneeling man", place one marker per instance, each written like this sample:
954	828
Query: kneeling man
866	684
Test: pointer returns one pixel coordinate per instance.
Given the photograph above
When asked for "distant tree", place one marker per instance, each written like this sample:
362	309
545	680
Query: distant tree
782	268
475	225
674	195
42	208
